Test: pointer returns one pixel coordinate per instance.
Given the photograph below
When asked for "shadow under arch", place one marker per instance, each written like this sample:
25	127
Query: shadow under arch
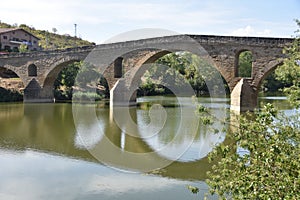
48	85
12	85
9	72
55	70
132	78
206	62
271	67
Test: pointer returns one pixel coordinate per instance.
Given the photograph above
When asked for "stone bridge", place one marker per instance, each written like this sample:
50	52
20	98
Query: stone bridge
122	64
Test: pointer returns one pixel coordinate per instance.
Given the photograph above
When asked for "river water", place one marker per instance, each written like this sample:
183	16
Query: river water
84	151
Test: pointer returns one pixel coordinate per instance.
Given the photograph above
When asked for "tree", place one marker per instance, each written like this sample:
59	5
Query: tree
83	78
54	30
289	72
63	85
23	48
271	84
195	71
261	162
262	158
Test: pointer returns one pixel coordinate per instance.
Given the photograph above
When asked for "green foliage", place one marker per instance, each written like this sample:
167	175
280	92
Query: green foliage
270	169
149	88
63	85
84	78
193	189
23	48
190	69
262	160
90	84
272	85
289	72
204	115
88	76
245	64
86	96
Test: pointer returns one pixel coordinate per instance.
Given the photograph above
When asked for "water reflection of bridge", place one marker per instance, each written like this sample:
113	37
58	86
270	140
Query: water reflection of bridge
50	128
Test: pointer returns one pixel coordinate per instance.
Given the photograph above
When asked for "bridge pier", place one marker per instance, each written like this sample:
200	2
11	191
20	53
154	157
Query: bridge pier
243	97
121	95
34	93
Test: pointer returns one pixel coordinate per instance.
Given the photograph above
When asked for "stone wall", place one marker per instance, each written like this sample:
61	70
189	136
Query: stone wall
223	51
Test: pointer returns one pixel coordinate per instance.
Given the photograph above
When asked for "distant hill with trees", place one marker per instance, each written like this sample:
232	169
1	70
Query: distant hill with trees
51	40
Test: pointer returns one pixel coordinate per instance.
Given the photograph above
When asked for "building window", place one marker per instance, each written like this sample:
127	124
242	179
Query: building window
34	42
16	39
4	37
7	48
118	67
32	70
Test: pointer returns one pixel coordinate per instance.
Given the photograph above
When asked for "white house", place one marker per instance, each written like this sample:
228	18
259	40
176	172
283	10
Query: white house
12	38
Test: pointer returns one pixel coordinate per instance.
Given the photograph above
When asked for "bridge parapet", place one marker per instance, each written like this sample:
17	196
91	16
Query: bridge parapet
254	41
224	51
48	52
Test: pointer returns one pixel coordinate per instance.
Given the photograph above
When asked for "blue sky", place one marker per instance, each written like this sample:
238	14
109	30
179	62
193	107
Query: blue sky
100	20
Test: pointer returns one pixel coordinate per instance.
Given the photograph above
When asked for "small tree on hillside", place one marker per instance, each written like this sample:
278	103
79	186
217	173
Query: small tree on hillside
23	48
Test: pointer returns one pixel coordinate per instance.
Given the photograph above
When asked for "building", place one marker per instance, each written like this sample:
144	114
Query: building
12	38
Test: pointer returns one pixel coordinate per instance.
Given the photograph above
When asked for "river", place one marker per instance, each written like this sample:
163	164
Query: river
63	151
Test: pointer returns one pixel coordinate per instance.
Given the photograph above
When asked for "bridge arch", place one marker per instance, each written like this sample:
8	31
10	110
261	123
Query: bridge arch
10	87
132	77
13	70
269	68
126	62
55	69
51	76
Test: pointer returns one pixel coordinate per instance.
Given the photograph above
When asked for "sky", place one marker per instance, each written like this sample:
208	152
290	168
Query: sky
100	20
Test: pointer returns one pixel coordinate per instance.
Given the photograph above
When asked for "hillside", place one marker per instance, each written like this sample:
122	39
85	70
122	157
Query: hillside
51	40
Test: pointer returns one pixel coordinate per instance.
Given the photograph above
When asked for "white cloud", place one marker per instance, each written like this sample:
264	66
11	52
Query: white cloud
250	31
110	15
266	32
